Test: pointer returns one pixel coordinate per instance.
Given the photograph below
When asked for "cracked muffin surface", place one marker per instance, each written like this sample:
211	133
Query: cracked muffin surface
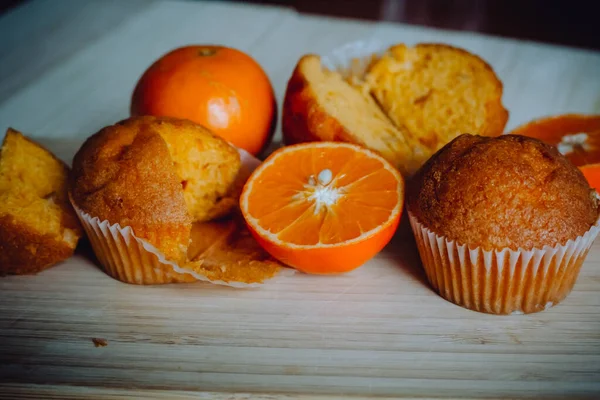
509	191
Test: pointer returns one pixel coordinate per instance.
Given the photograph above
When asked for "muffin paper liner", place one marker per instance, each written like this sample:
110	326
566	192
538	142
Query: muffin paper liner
501	281
131	259
353	59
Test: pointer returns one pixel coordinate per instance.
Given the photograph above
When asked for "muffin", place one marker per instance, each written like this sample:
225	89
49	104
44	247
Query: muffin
38	226
502	224
156	176
406	104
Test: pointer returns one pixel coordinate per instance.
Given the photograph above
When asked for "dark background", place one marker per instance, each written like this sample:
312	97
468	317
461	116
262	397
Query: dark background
567	22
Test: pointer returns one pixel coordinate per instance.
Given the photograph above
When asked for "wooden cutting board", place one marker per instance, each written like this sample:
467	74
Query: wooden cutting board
378	331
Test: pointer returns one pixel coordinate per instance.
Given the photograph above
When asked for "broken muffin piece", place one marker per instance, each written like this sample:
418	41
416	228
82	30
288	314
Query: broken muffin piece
405	104
38	226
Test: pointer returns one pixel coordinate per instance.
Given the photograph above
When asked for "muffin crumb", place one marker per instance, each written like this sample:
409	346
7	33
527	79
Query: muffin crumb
100	342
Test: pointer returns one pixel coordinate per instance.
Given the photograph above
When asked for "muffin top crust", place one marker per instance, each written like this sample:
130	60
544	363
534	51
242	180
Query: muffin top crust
508	191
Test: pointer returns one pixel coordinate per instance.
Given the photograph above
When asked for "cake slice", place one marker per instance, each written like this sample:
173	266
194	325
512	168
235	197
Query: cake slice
321	105
437	92
38	227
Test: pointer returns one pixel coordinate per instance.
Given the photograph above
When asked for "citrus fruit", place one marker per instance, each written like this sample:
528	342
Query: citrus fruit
221	88
576	136
323	207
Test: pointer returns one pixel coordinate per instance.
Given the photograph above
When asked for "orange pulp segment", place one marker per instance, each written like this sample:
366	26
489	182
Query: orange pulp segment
592	174
323	207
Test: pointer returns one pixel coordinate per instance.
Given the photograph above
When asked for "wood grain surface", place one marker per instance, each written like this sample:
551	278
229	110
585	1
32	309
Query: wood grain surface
378	331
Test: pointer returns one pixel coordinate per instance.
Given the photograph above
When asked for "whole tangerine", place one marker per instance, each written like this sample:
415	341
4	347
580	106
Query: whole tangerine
221	88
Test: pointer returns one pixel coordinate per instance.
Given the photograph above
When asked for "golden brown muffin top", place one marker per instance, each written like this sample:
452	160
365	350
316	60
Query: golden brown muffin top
509	191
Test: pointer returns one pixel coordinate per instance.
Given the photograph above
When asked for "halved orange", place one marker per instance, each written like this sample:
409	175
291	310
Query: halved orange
576	136
323	207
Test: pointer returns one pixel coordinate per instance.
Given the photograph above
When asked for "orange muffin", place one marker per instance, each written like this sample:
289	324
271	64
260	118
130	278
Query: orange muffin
38	227
503	224
156	175
405	104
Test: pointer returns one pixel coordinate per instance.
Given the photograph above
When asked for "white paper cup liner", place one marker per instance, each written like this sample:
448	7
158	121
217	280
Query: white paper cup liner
501	281
352	59
131	259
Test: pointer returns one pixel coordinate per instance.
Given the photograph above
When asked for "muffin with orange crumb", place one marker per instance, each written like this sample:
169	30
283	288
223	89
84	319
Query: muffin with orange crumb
404	102
38	227
503	225
157	176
